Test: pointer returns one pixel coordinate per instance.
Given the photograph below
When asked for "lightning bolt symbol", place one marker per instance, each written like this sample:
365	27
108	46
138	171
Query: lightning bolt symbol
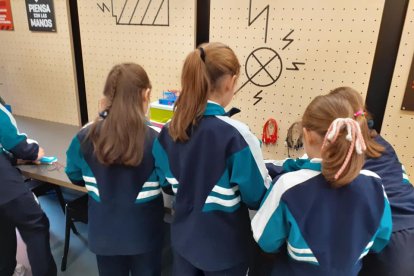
257	97
295	66
257	16
103	8
289	40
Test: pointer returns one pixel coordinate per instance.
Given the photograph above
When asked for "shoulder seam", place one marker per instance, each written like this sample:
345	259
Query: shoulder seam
272	201
251	141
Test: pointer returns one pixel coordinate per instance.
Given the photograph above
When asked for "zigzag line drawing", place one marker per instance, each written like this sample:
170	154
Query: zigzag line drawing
295	66
256	97
288	40
139	12
257	16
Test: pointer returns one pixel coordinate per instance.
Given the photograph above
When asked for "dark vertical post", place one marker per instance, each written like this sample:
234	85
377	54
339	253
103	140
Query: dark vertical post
203	22
77	47
389	37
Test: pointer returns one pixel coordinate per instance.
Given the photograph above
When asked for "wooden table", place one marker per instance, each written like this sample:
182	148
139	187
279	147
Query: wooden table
55	139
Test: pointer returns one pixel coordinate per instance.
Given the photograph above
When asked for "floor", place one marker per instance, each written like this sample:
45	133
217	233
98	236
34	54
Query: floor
81	262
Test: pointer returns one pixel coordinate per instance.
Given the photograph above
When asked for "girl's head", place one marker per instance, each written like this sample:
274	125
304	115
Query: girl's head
209	72
374	149
330	133
127	86
119	137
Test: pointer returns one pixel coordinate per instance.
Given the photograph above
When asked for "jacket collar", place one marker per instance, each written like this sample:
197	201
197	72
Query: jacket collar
214	108
291	165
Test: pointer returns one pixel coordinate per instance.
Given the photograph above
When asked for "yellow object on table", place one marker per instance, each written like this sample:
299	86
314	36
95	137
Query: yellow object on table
160	113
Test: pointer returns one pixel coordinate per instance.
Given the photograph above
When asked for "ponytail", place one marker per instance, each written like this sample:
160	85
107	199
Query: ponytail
193	97
374	149
342	155
343	143
201	73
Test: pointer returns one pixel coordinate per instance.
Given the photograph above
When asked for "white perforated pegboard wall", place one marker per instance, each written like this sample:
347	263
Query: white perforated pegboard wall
398	125
36	68
157	34
293	51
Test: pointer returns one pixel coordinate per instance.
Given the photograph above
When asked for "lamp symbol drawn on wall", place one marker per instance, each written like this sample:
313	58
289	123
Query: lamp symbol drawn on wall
264	66
138	12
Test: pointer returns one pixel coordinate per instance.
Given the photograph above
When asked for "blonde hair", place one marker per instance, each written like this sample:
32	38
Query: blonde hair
120	137
374	150
341	163
201	74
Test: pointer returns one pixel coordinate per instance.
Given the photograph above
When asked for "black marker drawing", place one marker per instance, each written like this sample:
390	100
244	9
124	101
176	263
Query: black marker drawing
103	7
257	97
295	66
257	16
264	65
269	67
289	40
139	12
271	60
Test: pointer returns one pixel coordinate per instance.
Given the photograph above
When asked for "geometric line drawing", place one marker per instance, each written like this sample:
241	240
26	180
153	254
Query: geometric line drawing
264	65
290	40
272	60
140	12
295	66
257	16
103	8
257	97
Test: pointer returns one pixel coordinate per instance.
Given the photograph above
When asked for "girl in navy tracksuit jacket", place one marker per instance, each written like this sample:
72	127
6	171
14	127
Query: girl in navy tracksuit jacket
112	158
215	167
18	207
328	214
397	259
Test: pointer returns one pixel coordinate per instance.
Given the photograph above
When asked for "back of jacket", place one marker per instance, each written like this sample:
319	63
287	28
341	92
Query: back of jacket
216	176
125	202
327	231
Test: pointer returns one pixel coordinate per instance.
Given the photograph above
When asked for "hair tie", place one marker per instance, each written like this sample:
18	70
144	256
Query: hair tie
359	113
104	114
354	135
370	124
202	54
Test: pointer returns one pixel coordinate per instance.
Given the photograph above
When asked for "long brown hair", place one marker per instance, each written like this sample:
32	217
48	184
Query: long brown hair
119	138
374	150
318	117
201	74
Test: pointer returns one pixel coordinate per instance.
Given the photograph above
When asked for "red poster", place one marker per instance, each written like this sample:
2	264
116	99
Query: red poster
6	19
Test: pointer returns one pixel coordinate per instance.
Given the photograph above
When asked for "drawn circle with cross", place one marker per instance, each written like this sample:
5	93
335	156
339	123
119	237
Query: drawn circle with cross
263	66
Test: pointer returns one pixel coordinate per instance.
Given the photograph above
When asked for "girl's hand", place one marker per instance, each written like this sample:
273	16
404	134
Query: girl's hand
40	154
